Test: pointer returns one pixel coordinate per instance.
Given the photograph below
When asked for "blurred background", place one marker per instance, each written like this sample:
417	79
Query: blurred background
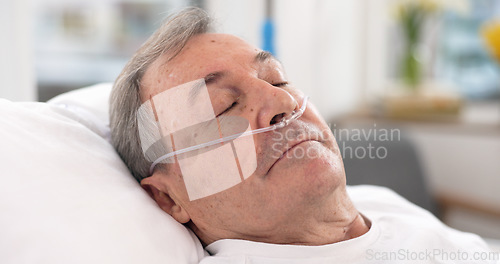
426	69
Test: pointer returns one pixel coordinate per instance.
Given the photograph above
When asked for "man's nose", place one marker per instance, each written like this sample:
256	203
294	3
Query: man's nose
276	104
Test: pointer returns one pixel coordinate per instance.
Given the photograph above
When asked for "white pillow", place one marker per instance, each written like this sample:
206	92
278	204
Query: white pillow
66	196
90	107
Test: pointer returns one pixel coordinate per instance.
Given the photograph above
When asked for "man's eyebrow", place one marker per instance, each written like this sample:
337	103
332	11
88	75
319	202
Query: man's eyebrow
213	77
263	56
197	86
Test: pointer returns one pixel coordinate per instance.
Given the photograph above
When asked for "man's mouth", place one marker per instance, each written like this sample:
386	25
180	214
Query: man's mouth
287	150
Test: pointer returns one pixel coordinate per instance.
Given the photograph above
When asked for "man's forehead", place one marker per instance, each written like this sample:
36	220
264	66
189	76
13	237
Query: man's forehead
202	54
220	38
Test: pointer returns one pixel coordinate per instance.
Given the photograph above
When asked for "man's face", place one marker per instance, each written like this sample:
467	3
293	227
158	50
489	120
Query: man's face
298	166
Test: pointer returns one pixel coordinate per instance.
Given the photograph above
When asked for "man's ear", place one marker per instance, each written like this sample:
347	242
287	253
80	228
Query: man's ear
159	192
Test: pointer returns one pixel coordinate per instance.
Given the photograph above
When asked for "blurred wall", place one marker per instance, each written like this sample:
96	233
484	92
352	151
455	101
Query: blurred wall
17	71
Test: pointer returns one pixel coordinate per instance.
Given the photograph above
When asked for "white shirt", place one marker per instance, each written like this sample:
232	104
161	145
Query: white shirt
400	232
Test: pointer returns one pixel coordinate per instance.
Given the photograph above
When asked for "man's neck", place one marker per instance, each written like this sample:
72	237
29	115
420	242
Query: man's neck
333	220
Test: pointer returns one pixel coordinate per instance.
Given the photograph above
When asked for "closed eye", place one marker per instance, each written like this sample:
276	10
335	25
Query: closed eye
228	109
280	84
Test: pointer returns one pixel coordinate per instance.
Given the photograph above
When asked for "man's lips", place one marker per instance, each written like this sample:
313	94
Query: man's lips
293	145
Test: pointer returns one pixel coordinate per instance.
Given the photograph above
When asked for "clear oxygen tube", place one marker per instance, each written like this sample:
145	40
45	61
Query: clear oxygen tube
284	122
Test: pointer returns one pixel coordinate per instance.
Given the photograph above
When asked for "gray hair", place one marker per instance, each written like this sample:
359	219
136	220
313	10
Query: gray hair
125	98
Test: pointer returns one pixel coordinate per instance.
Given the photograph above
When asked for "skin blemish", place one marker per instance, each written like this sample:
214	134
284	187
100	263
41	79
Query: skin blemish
213	41
251	109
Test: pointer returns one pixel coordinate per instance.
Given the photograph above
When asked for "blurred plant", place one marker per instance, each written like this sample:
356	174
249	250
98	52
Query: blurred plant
491	34
412	15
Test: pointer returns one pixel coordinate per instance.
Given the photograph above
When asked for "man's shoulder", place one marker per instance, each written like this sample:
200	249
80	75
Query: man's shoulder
361	190
399	218
380	201
374	194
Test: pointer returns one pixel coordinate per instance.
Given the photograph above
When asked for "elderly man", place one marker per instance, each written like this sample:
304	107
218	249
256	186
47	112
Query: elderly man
261	203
